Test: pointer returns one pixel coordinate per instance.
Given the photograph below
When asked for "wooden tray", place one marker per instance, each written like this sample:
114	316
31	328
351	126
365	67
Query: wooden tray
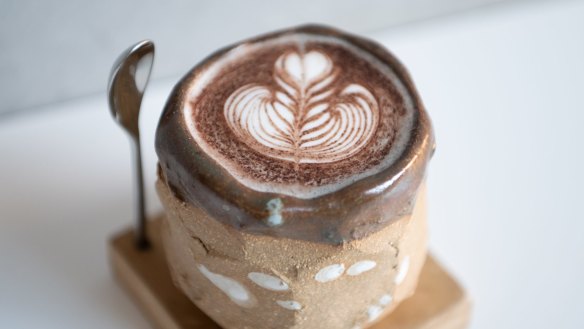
439	301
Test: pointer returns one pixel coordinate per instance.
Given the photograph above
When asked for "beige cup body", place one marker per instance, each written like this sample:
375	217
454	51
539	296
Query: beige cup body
243	280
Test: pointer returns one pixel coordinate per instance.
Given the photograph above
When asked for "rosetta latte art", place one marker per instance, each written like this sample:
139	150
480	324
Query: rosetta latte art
306	117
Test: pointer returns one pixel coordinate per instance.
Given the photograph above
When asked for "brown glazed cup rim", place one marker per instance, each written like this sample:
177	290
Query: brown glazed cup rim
199	180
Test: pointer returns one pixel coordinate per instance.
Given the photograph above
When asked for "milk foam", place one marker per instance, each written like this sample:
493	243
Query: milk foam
304	116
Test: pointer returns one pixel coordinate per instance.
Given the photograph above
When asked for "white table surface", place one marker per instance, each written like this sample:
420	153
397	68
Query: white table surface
505	91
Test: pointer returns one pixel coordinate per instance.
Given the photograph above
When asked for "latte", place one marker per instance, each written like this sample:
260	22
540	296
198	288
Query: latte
300	114
271	133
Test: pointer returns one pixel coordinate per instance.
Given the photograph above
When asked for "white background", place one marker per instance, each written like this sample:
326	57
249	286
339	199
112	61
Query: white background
62	49
504	88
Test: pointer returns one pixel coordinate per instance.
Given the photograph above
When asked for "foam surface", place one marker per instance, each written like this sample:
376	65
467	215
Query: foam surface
300	114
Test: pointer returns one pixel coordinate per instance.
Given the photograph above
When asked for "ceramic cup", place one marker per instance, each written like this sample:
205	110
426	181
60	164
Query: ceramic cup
291	168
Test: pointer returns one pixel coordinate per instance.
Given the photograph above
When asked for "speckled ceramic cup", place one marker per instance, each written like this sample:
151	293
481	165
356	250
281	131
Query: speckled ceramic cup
291	167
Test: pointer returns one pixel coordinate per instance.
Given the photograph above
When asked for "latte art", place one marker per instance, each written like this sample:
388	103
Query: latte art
296	114
305	118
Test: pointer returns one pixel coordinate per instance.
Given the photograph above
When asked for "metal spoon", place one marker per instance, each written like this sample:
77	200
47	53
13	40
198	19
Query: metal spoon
127	82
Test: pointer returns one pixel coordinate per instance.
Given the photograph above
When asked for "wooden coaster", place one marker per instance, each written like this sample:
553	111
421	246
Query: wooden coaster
439	302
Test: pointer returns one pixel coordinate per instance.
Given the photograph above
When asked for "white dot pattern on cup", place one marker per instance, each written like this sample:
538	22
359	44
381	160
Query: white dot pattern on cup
361	267
385	300
330	273
267	281
402	272
373	312
274	207
233	289
291	305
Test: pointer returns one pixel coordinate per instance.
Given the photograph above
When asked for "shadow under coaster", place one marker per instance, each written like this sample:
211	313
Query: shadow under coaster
438	303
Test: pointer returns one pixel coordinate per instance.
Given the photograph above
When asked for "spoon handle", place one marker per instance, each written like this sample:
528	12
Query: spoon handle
142	241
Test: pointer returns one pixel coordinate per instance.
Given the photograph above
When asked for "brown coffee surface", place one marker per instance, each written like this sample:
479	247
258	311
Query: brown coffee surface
302	115
308	133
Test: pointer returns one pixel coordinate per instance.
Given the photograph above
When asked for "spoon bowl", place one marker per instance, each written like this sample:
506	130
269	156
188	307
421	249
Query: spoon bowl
128	79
